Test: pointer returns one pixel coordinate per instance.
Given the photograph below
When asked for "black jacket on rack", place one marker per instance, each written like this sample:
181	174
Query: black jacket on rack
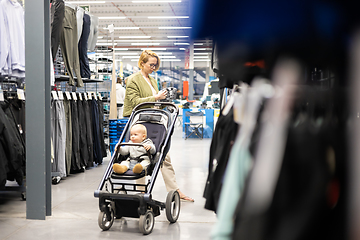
12	149
223	138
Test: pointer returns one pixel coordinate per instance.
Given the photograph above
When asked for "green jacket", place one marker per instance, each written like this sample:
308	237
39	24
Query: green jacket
138	91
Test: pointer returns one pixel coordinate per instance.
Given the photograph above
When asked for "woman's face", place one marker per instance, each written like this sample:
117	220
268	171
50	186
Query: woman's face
150	65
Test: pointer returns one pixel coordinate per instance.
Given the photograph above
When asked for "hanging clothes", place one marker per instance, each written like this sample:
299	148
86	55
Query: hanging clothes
89	133
96	132
75	155
93	36
12	150
12	39
57	17
220	148
58	129
69	46
84	153
83	47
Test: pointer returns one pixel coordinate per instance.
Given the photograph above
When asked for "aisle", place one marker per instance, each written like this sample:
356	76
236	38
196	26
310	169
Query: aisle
75	210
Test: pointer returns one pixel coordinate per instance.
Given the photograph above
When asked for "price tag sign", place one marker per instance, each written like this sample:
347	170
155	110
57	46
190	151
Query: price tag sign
68	96
60	95
54	95
74	97
20	94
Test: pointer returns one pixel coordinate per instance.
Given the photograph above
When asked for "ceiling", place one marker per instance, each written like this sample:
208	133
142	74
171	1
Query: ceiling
162	25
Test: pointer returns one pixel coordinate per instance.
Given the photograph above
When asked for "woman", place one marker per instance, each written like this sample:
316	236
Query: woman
141	87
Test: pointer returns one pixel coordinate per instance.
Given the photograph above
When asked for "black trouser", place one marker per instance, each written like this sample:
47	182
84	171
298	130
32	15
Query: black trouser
83	46
57	17
96	132
101	127
89	135
84	154
75	155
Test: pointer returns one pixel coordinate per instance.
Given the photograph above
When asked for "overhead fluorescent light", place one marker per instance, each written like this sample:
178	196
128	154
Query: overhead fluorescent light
104	44
171	60
163	53
154	49
170	1
206	57
131	56
100	37
145	44
201	53
174	27
161	57
177	36
202	60
86	2
181	43
126	53
134	36
198	44
121	49
200	49
107	18
183	49
124	28
144	40
164	17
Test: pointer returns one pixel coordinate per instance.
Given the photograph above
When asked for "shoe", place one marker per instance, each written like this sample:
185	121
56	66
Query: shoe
138	168
119	169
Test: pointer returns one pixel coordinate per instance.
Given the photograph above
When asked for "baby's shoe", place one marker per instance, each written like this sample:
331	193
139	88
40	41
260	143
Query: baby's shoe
138	168
120	169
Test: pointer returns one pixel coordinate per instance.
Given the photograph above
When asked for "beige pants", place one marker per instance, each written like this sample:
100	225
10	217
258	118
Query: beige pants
168	174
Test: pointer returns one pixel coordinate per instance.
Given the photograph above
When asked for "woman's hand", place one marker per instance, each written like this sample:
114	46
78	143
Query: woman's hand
161	95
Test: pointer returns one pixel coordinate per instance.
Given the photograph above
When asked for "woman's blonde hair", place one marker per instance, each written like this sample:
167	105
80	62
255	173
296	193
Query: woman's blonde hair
144	58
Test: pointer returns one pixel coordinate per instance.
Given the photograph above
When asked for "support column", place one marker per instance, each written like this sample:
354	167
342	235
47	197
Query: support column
38	143
191	71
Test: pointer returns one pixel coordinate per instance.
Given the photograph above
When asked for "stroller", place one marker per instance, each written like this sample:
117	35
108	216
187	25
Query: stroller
118	195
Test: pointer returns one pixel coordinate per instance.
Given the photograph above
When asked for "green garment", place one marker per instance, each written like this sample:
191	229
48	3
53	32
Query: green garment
138	91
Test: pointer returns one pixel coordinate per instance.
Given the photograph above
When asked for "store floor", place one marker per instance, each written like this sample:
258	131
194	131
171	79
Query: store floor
75	210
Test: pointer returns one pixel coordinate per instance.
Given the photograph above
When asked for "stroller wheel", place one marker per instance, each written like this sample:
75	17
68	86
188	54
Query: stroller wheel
103	221
172	206
146	222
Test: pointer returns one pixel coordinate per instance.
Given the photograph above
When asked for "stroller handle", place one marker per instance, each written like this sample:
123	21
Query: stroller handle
158	104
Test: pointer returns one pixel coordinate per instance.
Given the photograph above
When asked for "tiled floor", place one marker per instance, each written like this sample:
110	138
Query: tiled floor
75	210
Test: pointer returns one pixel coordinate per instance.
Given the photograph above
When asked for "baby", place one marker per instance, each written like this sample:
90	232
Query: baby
138	134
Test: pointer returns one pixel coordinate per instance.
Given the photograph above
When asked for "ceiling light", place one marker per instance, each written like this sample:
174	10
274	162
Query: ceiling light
121	49
161	57
100	37
134	36
202	60
171	60
154	49
86	2
181	43
145	44
131	57
104	44
202	49
201	53
163	53
125	28
198	44
182	49
174	27
162	17
106	18
177	36
126	53
201	57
